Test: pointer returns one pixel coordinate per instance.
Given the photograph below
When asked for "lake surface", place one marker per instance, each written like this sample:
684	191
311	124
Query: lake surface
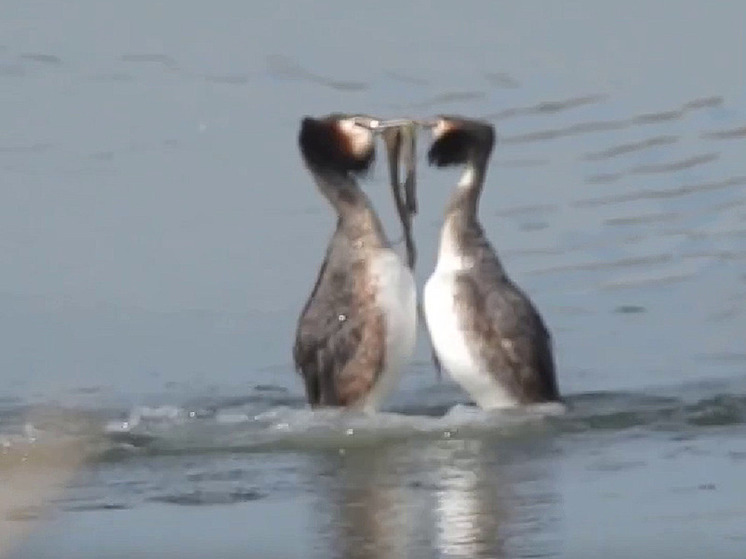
159	236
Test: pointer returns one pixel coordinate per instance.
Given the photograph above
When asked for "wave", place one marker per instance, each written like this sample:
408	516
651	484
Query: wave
282	423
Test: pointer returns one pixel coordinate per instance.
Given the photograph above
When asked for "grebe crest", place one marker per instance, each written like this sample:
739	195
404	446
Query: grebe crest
337	142
457	140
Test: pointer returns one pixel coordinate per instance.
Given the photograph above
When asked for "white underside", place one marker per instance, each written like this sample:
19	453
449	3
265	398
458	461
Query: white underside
456	354
397	297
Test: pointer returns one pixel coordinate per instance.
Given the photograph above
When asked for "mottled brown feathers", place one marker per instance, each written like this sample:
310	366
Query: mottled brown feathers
340	344
359	375
510	338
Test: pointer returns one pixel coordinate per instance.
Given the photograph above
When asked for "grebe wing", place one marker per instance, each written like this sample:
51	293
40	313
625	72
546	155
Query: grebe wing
514	342
339	346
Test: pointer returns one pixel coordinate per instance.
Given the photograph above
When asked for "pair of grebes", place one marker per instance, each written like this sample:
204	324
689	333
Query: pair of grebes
357	330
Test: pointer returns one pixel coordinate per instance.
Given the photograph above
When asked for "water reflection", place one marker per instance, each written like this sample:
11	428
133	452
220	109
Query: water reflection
451	498
469	506
494	500
364	504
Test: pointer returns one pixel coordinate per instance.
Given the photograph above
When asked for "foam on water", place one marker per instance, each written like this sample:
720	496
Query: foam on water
175	430
280	423
252	427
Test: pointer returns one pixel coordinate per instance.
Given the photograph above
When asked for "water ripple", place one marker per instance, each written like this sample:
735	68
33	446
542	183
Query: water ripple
201	497
654	168
638	219
623	149
621	263
676	114
661	193
548	107
149	58
48	59
522	163
527	209
604	178
502	79
647	280
675	165
729	134
283	67
574	129
602	125
442	98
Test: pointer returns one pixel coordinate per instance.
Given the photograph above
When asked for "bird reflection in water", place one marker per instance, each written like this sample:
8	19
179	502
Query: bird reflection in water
369	514
492	498
476	498
469	507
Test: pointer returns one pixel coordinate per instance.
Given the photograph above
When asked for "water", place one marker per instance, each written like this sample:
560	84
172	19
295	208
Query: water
159	237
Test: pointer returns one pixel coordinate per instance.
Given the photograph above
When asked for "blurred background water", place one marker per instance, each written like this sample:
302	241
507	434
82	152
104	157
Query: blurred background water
159	235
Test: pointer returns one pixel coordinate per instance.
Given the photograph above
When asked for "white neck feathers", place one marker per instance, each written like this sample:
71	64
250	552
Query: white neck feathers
468	177
450	257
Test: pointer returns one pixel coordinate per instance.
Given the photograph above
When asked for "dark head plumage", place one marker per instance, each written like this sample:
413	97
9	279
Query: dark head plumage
458	139
336	143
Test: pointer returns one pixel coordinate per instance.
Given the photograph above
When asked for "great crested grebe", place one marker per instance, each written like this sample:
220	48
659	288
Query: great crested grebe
358	327
485	330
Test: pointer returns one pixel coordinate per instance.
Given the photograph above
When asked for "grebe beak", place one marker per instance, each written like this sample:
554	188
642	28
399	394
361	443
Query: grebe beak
378	125
429	122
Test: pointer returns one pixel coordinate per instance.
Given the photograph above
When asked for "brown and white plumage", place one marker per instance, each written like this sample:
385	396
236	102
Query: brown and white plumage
357	329
486	332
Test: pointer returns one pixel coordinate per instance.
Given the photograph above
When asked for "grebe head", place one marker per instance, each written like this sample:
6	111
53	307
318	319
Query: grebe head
457	140
338	142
